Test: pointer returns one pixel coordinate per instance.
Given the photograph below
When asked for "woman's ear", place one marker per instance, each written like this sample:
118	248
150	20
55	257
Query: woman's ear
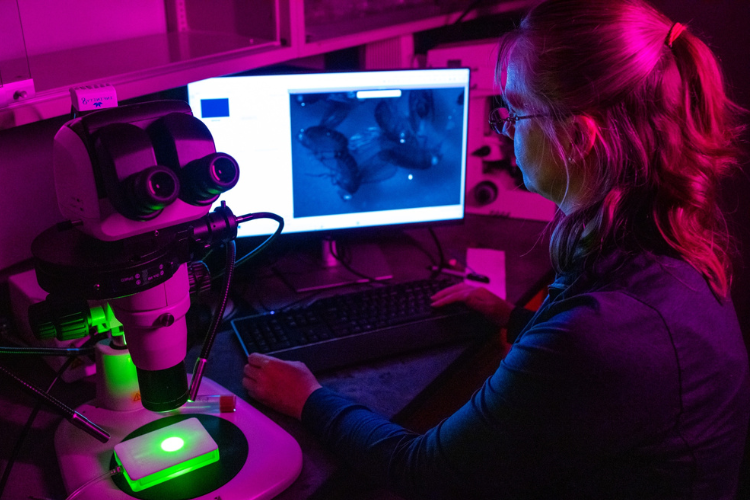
584	133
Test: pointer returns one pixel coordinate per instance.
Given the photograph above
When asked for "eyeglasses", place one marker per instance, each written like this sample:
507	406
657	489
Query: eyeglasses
498	122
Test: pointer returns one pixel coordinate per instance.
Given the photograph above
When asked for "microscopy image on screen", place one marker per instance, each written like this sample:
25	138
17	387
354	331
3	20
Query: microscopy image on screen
353	154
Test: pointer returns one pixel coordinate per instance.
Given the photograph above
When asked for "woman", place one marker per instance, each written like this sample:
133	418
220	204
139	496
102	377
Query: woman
631	380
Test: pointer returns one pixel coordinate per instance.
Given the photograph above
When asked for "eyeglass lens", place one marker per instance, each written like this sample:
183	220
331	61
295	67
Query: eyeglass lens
498	118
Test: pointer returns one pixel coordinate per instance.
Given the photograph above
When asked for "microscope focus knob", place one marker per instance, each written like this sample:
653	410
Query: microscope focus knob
66	321
199	277
44	330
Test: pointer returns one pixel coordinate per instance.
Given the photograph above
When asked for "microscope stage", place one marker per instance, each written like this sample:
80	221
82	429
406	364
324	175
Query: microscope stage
258	460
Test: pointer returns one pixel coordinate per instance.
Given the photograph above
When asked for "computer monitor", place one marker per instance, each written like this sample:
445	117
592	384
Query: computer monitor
340	151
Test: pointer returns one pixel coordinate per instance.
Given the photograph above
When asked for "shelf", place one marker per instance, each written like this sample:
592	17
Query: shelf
143	65
320	38
156	62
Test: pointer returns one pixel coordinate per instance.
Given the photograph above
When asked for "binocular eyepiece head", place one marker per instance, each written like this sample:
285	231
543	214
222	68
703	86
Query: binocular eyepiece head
199	183
150	162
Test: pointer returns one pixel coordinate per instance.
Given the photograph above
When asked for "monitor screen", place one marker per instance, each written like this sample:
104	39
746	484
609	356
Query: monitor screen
333	151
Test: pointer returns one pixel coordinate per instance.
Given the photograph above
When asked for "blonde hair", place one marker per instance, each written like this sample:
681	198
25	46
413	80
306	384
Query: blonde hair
667	132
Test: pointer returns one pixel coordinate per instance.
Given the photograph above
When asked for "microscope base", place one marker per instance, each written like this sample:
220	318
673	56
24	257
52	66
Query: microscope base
274	459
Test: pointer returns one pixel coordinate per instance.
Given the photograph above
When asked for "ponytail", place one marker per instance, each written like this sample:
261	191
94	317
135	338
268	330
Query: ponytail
686	211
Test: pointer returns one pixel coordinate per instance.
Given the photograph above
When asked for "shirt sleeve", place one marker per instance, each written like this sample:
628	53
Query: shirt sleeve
546	414
392	456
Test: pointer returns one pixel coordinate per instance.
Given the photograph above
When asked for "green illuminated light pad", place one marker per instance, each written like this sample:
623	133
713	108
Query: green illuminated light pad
166	453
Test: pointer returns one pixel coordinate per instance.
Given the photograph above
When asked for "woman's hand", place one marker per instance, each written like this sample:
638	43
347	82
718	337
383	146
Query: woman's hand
281	385
477	298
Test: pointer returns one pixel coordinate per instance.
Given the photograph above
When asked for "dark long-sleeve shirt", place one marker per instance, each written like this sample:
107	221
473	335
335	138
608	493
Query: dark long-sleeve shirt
630	381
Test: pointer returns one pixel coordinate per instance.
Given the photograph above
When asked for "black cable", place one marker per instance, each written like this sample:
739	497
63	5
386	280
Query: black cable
262	246
47	351
307	297
451	27
466	11
200	362
422	249
441	257
342	261
231	254
30	421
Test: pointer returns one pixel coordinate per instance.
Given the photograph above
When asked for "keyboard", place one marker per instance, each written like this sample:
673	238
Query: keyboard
355	327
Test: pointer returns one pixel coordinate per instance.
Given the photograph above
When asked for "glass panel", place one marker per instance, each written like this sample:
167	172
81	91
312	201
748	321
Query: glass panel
14	65
326	19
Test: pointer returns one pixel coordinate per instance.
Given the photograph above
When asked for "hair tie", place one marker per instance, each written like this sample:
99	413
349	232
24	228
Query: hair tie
674	33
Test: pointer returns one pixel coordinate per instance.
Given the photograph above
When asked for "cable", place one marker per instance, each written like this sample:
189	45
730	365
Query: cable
441	257
227	272
307	297
262	246
332	248
70	414
466	11
422	249
200	363
451	27
27	428
47	351
30	421
117	470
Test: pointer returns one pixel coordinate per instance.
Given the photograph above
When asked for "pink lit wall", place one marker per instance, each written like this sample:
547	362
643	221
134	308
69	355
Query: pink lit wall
52	26
28	202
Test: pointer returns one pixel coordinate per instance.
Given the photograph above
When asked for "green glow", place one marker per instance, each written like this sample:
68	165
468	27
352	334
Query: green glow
166	453
171	472
120	375
172	444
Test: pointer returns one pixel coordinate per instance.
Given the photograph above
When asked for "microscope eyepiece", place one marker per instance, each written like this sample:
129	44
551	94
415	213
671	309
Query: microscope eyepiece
204	179
161	186
152	189
224	172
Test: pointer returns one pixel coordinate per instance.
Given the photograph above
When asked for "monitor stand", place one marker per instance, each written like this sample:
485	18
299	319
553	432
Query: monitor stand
320	269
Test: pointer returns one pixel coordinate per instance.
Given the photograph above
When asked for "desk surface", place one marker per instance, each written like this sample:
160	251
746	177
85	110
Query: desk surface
390	386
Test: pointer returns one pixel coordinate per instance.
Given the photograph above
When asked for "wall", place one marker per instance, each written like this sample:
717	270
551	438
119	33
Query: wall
28	203
52	26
